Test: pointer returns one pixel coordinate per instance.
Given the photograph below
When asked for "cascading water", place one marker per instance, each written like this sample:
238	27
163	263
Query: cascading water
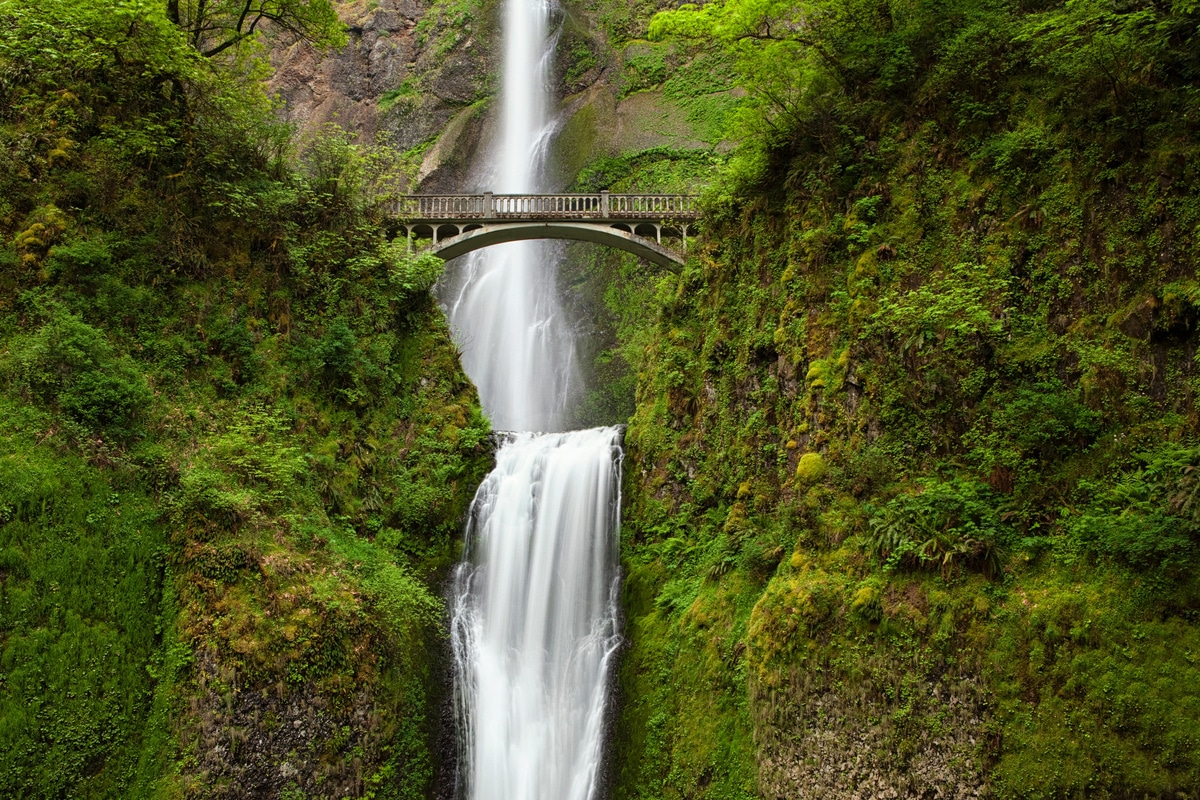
535	622
503	308
534	625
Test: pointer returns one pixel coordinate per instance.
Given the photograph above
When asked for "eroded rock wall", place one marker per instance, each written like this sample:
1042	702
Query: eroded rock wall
414	73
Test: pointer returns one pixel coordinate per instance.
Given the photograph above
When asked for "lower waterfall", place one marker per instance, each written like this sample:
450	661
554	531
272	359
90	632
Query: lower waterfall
535	617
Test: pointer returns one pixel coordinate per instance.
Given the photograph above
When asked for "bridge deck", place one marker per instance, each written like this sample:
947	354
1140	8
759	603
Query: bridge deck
514	207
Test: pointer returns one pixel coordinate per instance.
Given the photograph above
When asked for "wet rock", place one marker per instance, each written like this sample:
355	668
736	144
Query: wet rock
253	741
842	743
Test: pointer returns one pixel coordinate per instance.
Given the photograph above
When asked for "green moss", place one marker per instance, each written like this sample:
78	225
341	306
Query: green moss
644	66
817	375
811	467
575	144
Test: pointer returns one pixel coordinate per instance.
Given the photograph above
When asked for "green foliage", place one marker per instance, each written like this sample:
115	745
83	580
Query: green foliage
82	620
684	726
644	68
338	352
399	600
448	23
941	525
215	27
950	311
40	39
1146	518
407	90
582	58
414	275
947	257
1030	426
235	440
703	86
68	364
657	169
1116	693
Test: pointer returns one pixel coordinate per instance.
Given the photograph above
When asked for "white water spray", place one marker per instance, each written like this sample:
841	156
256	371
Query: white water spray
534	624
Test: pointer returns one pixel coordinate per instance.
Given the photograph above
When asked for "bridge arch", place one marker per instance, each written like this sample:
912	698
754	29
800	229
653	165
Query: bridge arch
476	237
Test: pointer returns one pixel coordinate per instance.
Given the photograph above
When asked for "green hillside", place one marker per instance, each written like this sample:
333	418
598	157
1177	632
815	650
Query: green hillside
913	510
236	443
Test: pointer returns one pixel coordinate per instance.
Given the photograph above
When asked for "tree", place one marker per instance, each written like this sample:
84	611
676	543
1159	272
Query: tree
214	26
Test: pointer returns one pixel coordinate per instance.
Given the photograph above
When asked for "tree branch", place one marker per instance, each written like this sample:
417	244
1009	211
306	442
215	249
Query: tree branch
242	19
765	35
228	43
199	24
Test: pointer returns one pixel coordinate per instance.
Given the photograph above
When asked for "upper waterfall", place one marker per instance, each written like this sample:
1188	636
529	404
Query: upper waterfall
503	304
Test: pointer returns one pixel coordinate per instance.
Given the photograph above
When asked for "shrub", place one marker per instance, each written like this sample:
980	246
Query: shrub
1149	519
235	342
1031	426
413	274
68	363
45	225
85	257
940	524
338	350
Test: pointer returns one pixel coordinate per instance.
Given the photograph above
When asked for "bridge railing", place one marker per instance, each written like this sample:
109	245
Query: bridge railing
602	205
652	205
440	206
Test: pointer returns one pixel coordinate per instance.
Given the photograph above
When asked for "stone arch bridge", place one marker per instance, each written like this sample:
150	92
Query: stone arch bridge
637	223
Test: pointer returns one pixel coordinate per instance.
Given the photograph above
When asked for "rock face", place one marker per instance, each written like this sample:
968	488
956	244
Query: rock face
419	76
345	87
262	743
409	70
854	742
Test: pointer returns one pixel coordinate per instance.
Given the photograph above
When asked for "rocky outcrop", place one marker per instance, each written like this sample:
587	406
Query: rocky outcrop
419	76
410	69
261	743
856	743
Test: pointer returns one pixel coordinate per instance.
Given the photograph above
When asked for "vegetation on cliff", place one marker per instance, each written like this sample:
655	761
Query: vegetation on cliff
912	483
913	463
235	442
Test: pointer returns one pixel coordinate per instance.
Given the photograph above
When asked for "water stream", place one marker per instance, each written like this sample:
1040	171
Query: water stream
517	346
534	617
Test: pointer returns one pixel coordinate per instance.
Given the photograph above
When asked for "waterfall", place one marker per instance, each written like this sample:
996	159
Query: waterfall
503	306
534	616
